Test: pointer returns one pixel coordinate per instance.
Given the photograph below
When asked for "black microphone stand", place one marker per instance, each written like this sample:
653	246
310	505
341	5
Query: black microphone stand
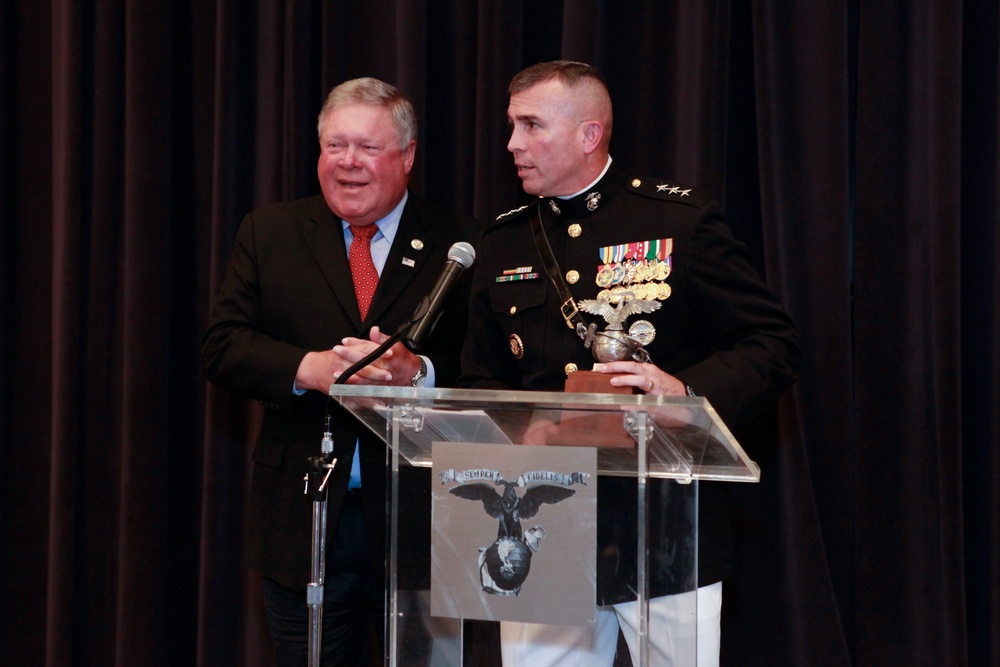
320	470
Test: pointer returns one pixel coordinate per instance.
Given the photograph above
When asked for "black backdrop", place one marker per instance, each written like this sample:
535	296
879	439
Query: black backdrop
854	145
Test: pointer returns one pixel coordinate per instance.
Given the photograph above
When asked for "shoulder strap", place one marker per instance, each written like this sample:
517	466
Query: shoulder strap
570	313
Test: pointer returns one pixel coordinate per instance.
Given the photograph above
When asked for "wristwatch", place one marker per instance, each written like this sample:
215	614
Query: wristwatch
420	377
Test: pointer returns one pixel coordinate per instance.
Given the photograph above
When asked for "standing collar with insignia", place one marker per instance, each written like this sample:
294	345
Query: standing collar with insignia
592	199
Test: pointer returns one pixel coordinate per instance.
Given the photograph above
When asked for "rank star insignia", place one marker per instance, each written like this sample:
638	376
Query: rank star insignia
662	188
593	199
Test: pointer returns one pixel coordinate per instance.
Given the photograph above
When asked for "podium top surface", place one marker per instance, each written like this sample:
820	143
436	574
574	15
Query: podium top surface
636	435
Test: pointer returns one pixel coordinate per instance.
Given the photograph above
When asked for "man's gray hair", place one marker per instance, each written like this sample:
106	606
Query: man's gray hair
376	93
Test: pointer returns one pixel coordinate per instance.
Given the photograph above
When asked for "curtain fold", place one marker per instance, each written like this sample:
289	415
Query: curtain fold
802	109
907	322
67	546
854	147
980	326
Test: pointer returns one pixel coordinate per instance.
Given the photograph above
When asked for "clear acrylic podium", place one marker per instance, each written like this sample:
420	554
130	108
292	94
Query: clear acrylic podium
647	456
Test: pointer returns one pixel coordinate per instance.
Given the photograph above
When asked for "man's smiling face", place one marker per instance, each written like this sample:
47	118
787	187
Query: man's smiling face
362	170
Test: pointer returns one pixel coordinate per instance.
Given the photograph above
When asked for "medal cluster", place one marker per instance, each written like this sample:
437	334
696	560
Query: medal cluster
635	270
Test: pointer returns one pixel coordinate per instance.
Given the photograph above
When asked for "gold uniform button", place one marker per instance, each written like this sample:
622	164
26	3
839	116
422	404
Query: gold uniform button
572	277
570	368
513	309
575	230
636	182
516	346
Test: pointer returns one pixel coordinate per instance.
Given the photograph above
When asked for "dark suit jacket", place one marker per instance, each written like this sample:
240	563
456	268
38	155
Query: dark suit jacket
721	330
289	291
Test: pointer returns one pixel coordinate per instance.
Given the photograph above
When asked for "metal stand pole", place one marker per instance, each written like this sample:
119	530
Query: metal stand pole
320	470
319	475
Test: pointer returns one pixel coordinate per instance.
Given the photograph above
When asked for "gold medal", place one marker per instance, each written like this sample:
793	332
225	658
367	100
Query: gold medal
605	277
643	273
619	274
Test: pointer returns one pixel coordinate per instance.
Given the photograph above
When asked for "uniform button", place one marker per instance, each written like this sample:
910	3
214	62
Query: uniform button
513	309
516	346
636	183
570	368
572	277
575	230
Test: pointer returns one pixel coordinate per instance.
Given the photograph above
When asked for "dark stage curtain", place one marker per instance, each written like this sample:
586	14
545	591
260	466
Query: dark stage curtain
854	146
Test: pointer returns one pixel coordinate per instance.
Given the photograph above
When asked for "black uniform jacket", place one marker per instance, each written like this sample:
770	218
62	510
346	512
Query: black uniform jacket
289	291
720	330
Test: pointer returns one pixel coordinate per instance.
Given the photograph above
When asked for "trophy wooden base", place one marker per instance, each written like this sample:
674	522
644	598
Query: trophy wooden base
589	429
592	382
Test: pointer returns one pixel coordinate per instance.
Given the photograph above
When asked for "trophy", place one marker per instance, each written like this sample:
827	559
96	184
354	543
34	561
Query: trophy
614	343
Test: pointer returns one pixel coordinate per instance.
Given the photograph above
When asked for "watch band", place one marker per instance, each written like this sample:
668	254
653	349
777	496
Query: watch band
420	376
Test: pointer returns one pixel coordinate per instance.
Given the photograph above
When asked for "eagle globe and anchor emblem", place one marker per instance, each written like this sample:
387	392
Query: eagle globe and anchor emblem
505	564
614	343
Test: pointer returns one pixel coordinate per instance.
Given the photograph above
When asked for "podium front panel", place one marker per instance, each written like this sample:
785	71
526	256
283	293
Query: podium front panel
508	522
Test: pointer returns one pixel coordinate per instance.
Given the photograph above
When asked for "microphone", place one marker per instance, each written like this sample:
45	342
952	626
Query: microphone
460	257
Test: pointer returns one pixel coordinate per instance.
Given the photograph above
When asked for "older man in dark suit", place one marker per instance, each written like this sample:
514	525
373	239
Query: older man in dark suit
313	286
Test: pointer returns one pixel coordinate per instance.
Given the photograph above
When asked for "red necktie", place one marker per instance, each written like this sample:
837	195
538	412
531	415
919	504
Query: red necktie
362	267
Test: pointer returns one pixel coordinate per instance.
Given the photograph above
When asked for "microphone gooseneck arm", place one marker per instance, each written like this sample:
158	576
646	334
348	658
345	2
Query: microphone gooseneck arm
460	256
418	315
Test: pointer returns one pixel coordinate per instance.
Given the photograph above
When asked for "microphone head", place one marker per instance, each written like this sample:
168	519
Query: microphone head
463	253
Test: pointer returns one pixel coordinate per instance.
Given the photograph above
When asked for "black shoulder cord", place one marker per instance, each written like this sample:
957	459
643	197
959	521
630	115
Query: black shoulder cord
570	313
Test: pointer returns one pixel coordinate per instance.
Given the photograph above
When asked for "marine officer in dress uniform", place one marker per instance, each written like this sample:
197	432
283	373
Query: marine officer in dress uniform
717	332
